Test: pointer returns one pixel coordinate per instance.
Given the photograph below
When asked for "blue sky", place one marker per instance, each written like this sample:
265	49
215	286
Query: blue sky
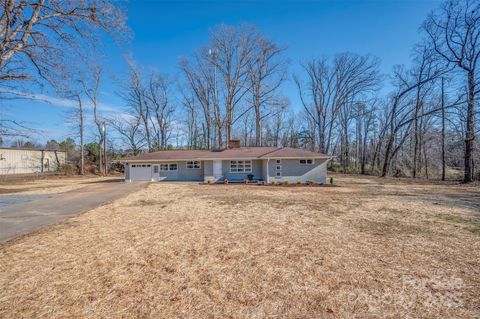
166	30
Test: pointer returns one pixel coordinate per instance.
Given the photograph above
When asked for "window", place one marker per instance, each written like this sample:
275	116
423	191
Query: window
168	167
193	165
155	169
278	168
306	162
240	166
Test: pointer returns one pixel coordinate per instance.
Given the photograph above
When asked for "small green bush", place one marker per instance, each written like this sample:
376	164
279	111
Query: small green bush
286	182
311	182
331	180
299	183
273	182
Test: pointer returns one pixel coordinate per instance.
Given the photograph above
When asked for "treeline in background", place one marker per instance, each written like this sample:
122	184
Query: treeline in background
420	120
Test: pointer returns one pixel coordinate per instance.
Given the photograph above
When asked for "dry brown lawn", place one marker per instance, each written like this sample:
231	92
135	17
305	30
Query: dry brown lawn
52	184
367	248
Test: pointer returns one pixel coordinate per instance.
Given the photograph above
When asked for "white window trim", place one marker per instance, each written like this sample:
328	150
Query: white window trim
306	159
194	164
244	170
138	165
168	167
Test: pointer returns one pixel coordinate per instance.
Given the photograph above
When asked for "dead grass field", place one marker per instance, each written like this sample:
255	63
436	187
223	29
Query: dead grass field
52	184
368	248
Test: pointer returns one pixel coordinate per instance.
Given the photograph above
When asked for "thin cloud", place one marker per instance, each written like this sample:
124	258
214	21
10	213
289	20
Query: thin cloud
58	101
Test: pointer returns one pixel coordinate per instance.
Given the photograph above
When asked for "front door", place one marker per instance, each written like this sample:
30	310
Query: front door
217	170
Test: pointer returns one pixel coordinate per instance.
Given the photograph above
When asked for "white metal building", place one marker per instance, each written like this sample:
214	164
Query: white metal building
28	161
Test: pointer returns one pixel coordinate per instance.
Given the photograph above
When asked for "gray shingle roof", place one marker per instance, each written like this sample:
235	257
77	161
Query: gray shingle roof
233	153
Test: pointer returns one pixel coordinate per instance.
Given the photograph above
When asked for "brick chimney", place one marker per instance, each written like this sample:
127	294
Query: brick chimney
234	143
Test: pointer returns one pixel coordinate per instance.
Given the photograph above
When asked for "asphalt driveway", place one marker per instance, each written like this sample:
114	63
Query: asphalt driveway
22	217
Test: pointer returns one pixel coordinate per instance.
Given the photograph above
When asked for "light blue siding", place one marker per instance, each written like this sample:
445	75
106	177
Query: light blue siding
190	174
256	171
181	174
293	171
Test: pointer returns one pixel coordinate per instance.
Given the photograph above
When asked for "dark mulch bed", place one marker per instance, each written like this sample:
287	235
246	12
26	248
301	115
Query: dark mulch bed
270	185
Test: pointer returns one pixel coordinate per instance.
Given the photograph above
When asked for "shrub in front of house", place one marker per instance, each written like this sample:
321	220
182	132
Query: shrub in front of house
311	182
286	182
299	182
273	182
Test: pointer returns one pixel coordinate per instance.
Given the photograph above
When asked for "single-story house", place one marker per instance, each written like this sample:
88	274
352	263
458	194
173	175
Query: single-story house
235	164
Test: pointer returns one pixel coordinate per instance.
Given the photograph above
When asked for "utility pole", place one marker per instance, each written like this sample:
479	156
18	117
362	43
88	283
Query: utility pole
82	150
105	148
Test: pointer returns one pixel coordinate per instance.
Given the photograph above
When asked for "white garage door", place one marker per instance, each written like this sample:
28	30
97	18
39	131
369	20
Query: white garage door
141	172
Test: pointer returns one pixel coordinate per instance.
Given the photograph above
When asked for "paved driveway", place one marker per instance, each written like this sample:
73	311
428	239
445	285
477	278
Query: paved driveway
20	218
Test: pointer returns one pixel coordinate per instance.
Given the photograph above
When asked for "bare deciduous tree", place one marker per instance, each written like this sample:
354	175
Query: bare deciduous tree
134	94
232	50
91	86
199	81
158	97
130	130
454	33
40	34
329	88
266	72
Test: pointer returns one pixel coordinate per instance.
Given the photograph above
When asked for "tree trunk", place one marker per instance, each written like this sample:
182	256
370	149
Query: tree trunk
418	105
425	159
57	160
258	128
443	134
388	151
42	160
470	130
